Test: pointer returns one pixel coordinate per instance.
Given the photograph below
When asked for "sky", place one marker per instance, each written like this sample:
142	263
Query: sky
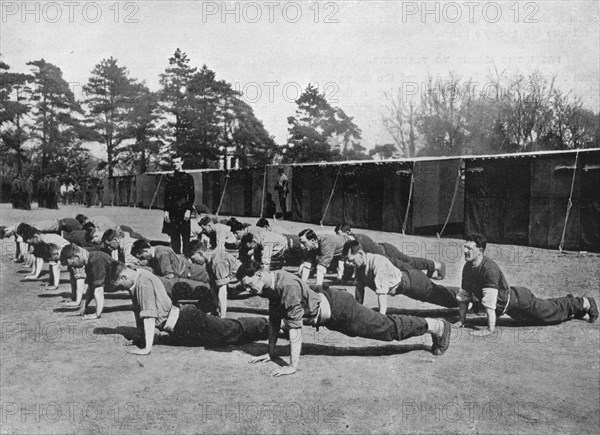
355	51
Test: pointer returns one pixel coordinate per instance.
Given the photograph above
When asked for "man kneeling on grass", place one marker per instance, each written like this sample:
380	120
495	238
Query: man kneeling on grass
96	265
40	242
221	268
154	310
291	300
165	262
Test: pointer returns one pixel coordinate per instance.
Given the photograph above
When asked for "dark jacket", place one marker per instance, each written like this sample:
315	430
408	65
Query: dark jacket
179	192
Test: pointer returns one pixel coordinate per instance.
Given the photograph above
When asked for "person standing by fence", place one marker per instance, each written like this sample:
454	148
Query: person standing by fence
179	204
283	190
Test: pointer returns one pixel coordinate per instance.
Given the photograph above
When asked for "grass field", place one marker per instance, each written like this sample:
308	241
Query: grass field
60	374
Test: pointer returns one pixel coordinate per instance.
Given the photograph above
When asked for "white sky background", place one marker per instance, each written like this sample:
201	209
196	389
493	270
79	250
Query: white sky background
355	51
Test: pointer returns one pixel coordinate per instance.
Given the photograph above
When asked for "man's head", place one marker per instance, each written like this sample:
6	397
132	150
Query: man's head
72	255
111	239
121	276
280	170
53	253
177	162
81	218
206	224
92	234
354	253
141	249
252	276
343	228
263	223
33	237
474	247
25	231
237	228
308	240
197	252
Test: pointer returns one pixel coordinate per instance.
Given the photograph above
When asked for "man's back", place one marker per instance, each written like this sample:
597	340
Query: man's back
166	261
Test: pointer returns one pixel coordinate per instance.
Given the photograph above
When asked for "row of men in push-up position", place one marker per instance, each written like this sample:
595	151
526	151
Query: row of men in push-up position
160	281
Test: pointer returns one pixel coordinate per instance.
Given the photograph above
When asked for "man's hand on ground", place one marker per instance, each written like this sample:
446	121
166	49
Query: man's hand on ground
138	351
482	332
282	371
262	358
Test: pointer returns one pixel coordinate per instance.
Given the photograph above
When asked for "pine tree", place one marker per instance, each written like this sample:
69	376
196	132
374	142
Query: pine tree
110	97
13	108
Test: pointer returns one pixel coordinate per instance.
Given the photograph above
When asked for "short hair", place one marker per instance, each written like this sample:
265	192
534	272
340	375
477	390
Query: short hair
111	234
280	170
248	268
231	220
204	221
114	271
308	233
89	233
25	230
262	223
351	246
236	226
51	247
68	252
176	156
139	246
31	234
81	218
2	231
195	246
343	228
479	239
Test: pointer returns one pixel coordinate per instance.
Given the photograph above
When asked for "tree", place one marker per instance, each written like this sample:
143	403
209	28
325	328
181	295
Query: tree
204	141
320	132
400	119
110	97
485	130
526	111
174	94
214	122
385	152
56	113
142	125
572	126
13	108
442	120
251	143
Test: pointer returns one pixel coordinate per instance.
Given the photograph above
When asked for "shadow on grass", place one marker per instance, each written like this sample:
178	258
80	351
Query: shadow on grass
64	295
92	309
119	296
127	332
426	312
256	349
507	322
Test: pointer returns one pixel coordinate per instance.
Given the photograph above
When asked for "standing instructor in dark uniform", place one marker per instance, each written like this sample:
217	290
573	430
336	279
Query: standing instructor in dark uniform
179	203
